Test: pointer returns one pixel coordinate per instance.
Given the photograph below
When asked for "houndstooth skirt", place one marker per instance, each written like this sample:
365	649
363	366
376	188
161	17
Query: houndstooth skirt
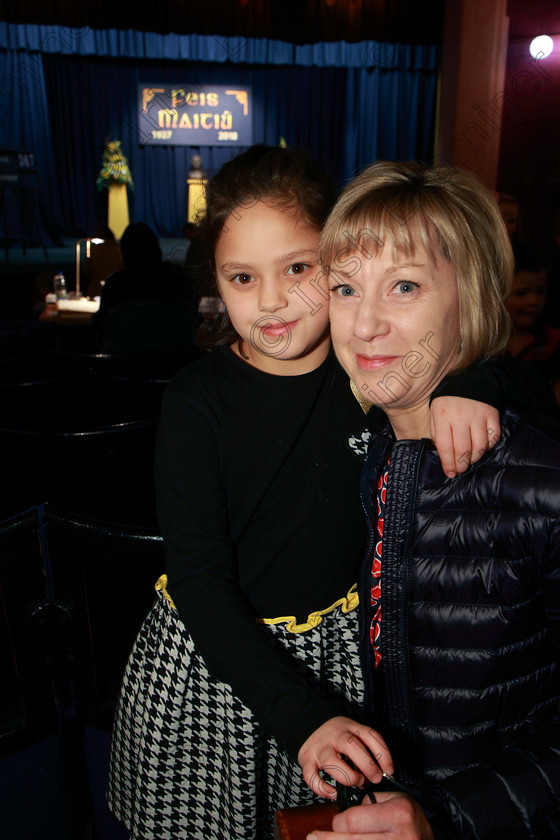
188	760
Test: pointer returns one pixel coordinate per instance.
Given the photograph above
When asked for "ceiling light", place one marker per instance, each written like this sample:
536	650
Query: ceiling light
541	47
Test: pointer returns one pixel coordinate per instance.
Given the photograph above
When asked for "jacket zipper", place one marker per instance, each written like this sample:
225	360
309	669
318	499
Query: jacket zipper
403	617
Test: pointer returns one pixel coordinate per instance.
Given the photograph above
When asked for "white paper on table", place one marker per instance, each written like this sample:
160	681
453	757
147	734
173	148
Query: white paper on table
82	305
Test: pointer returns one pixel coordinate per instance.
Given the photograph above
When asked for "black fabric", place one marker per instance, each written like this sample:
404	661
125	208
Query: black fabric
254	476
470	634
501	381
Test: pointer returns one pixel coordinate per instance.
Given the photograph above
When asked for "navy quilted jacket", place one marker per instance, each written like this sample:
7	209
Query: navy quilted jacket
468	691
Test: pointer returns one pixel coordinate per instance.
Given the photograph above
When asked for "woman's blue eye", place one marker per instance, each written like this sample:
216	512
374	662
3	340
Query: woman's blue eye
344	291
405	287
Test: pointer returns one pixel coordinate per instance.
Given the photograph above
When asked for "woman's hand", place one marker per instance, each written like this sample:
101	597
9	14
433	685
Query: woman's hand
393	816
340	736
462	431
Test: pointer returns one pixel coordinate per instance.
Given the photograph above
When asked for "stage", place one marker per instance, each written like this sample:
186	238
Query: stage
65	255
23	276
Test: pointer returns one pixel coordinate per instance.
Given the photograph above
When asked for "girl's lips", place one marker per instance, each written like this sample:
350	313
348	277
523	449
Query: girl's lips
374	362
278	328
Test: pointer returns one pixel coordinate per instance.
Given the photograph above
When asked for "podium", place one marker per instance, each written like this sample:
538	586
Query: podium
196	197
19	200
117	210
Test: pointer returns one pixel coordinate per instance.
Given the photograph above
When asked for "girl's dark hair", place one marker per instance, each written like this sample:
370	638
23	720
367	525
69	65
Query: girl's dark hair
288	178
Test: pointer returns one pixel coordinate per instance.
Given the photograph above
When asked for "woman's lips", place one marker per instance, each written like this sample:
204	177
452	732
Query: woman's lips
375	362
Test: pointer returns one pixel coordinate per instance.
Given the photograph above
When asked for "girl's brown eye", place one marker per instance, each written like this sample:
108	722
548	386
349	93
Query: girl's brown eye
242	279
297	268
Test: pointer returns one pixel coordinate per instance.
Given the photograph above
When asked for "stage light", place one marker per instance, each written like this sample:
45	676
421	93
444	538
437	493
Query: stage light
541	46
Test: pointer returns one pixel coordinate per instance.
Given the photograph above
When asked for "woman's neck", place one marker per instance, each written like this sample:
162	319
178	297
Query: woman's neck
410	423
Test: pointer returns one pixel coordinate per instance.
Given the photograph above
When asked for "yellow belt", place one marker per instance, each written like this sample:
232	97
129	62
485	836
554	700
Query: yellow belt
348	603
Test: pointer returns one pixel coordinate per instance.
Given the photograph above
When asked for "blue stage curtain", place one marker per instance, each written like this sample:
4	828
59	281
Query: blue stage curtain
65	90
25	125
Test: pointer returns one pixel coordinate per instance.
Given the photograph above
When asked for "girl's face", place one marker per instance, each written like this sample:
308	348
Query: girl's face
269	279
510	214
527	299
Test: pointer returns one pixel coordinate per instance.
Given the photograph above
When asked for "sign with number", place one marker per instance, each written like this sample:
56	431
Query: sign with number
209	115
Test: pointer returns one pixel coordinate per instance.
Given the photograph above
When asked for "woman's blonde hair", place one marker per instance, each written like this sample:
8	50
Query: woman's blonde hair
454	217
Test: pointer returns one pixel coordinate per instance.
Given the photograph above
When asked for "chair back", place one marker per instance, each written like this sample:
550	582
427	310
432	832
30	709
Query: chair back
148	327
74	594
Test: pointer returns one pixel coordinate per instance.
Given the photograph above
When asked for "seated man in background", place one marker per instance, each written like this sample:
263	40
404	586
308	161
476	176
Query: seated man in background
145	276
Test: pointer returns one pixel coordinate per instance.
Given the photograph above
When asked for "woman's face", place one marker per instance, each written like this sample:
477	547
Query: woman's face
395	325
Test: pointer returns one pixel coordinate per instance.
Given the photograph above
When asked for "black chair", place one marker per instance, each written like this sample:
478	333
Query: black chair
150	327
34	367
157	365
73	593
104	472
81	440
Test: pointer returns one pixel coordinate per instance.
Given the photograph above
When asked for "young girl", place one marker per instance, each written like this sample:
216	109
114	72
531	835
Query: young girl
252	643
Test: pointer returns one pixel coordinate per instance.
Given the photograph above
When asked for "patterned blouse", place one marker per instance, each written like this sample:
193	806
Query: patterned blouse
375	574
